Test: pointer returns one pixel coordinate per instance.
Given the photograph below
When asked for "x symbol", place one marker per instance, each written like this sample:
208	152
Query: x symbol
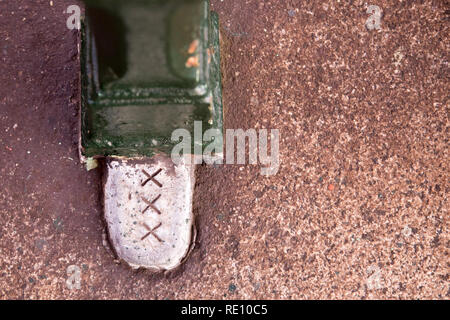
152	232
152	178
151	204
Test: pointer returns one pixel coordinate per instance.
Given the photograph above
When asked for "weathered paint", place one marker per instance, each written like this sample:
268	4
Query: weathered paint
148	68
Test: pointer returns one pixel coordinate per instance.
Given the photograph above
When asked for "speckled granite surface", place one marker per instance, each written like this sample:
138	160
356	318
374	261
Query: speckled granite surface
358	210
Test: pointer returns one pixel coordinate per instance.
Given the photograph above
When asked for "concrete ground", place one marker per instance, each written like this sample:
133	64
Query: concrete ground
358	209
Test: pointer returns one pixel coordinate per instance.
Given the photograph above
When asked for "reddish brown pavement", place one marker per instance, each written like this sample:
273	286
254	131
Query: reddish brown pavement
358	209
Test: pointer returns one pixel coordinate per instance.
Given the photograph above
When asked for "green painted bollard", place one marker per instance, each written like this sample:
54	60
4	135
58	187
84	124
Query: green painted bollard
148	68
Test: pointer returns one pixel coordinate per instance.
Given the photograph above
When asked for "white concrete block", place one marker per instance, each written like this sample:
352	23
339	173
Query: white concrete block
148	210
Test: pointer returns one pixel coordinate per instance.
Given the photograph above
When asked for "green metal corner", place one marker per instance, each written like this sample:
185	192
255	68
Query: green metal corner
141	78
